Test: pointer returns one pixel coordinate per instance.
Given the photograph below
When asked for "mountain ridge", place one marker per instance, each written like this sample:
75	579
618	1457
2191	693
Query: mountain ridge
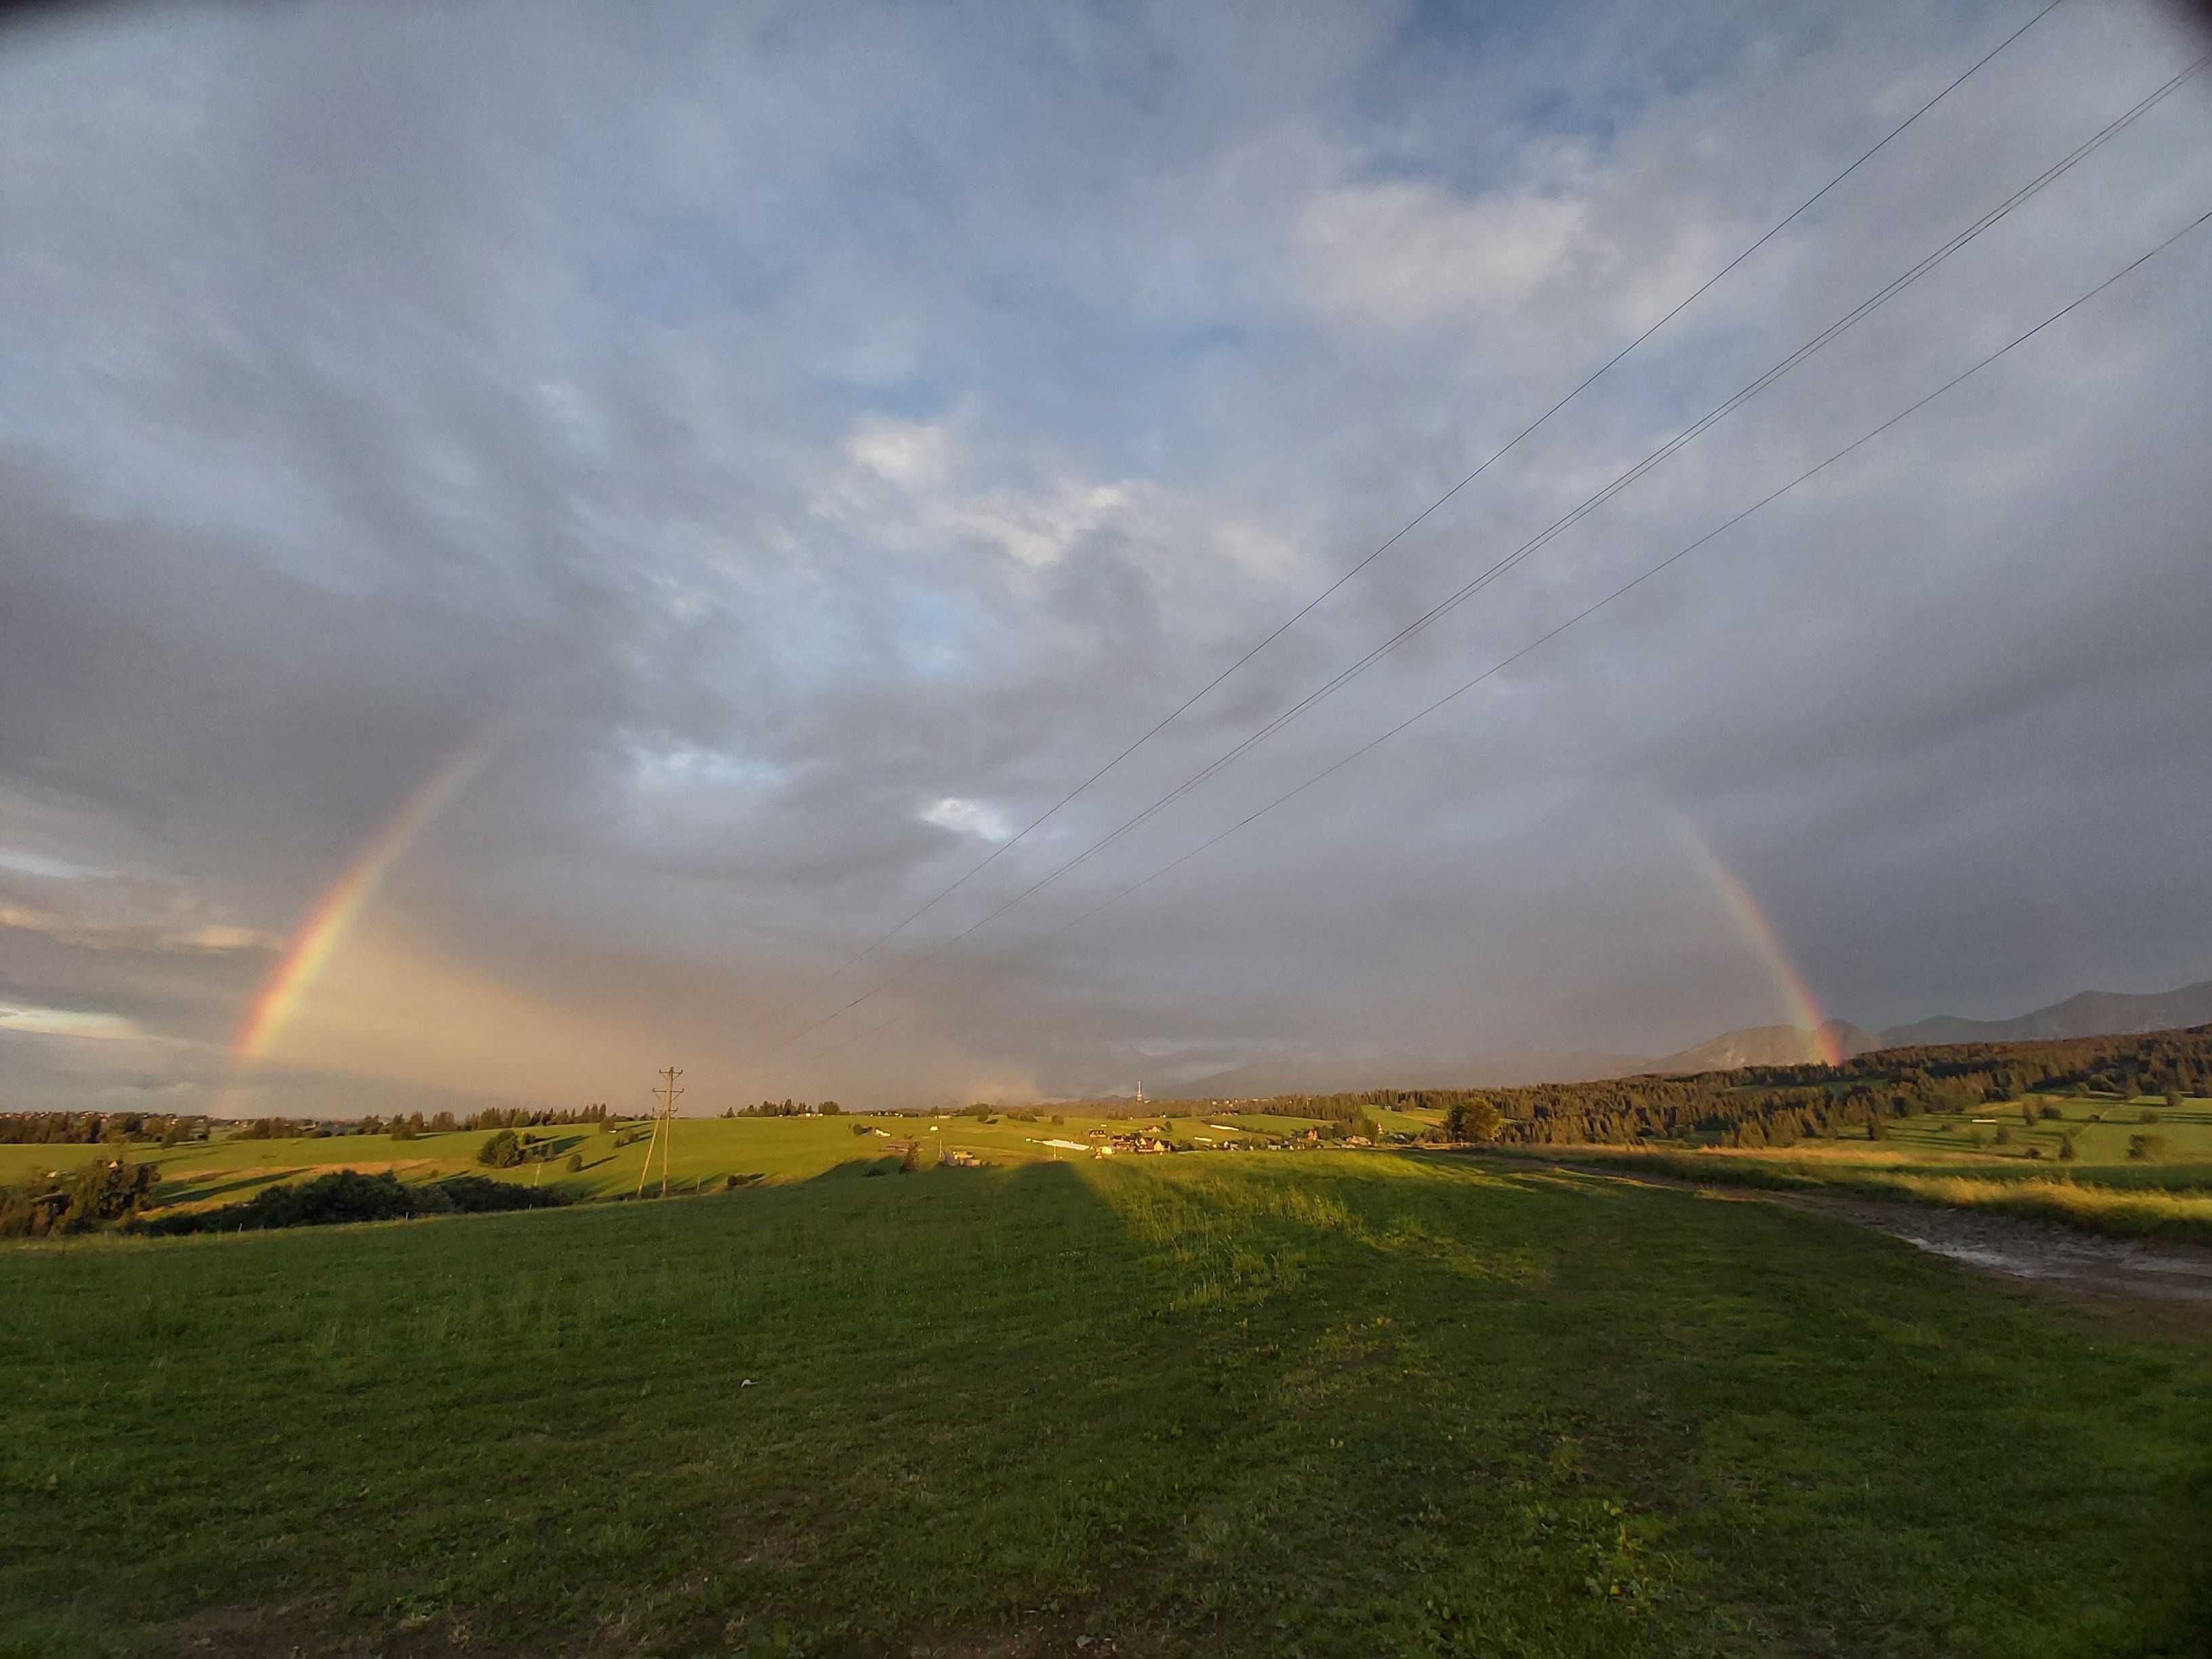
2086	1013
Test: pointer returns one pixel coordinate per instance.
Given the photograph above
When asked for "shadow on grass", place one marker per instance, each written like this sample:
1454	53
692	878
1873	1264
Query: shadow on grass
200	1192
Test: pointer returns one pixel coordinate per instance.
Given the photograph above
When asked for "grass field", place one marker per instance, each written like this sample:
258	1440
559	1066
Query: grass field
705	1152
1926	1157
1936	1160
2101	1145
1309	1403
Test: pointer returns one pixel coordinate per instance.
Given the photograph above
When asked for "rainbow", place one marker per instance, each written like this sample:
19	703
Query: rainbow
318	937
1757	930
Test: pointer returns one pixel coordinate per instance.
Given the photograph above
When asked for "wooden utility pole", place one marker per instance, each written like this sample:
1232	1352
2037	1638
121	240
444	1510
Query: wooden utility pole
668	1093
663	1127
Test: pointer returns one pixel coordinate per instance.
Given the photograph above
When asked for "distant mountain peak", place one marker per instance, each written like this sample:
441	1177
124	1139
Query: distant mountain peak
1772	1045
2087	1013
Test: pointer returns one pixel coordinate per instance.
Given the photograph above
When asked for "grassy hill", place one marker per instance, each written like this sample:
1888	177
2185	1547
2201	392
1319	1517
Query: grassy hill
704	1153
1265	1404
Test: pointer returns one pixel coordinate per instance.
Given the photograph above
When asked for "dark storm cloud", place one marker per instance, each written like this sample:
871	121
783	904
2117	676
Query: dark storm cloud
792	452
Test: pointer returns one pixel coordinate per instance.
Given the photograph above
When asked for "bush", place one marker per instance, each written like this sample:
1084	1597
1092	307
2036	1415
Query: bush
110	1191
2146	1115
343	1196
911	1162
2004	1134
2052	1114
575	1163
2147	1149
481	1195
1877	1129
2032	1152
864	1128
1059	1119
2068	1151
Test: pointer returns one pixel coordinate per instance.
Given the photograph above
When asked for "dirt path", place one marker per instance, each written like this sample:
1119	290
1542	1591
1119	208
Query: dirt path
2033	1252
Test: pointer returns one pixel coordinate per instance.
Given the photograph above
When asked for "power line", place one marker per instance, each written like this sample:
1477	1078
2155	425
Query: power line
846	1043
1559	526
1627	588
1588	610
1413	523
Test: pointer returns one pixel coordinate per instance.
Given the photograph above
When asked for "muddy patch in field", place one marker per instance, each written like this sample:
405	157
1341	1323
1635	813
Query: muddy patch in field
2020	1248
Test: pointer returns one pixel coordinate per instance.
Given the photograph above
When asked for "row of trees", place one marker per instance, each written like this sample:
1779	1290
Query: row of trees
94	1128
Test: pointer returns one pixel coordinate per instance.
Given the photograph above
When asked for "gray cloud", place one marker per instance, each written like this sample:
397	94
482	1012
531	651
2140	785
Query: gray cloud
750	433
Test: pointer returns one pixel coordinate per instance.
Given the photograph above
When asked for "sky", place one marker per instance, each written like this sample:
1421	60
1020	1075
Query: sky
535	535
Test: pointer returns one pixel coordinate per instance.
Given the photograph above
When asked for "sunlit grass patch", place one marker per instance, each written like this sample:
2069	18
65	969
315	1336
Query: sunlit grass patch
2100	1200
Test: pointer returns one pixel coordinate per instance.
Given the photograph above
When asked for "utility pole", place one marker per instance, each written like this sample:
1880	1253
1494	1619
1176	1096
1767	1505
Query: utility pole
664	1130
668	1093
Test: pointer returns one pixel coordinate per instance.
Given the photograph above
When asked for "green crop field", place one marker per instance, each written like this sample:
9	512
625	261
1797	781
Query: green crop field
1273	1403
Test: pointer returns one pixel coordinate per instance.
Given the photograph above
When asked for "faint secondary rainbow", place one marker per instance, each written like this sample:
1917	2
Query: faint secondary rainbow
341	904
1757	930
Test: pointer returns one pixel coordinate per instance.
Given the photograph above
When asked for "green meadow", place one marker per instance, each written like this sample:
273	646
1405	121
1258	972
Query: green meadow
1956	1160
1267	1404
703	1154
706	1153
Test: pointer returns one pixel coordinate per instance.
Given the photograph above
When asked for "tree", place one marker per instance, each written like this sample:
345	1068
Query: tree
2067	1150
831	1109
502	1152
1877	1128
1474	1119
575	1163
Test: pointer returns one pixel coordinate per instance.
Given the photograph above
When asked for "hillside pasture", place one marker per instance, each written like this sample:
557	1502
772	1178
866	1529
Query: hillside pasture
704	1154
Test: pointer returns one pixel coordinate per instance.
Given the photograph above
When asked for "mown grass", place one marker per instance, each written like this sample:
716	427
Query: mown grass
2151	1201
1269	1404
